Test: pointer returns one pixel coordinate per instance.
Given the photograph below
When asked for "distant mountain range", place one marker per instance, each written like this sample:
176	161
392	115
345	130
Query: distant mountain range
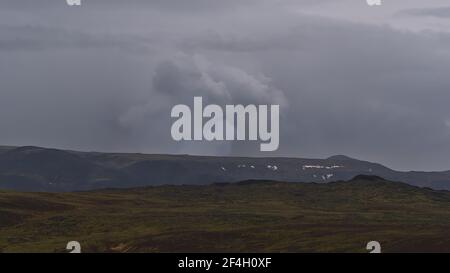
51	170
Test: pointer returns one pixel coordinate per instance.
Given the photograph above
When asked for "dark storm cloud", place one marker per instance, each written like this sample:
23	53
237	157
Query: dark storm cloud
356	89
441	12
28	37
105	76
168	5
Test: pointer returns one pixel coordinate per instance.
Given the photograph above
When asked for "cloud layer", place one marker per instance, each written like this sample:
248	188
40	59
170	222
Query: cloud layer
105	76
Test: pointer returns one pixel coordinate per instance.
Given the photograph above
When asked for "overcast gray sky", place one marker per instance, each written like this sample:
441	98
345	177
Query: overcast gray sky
368	82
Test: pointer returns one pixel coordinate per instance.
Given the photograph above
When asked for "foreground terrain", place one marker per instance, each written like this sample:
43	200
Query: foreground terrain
251	216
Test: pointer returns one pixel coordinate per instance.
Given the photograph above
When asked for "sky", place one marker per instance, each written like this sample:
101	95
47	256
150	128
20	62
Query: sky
368	82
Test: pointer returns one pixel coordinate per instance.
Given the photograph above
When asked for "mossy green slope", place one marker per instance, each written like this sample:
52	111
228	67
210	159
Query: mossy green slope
252	216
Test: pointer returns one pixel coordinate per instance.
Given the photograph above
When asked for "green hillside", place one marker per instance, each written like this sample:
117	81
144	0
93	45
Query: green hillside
251	216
